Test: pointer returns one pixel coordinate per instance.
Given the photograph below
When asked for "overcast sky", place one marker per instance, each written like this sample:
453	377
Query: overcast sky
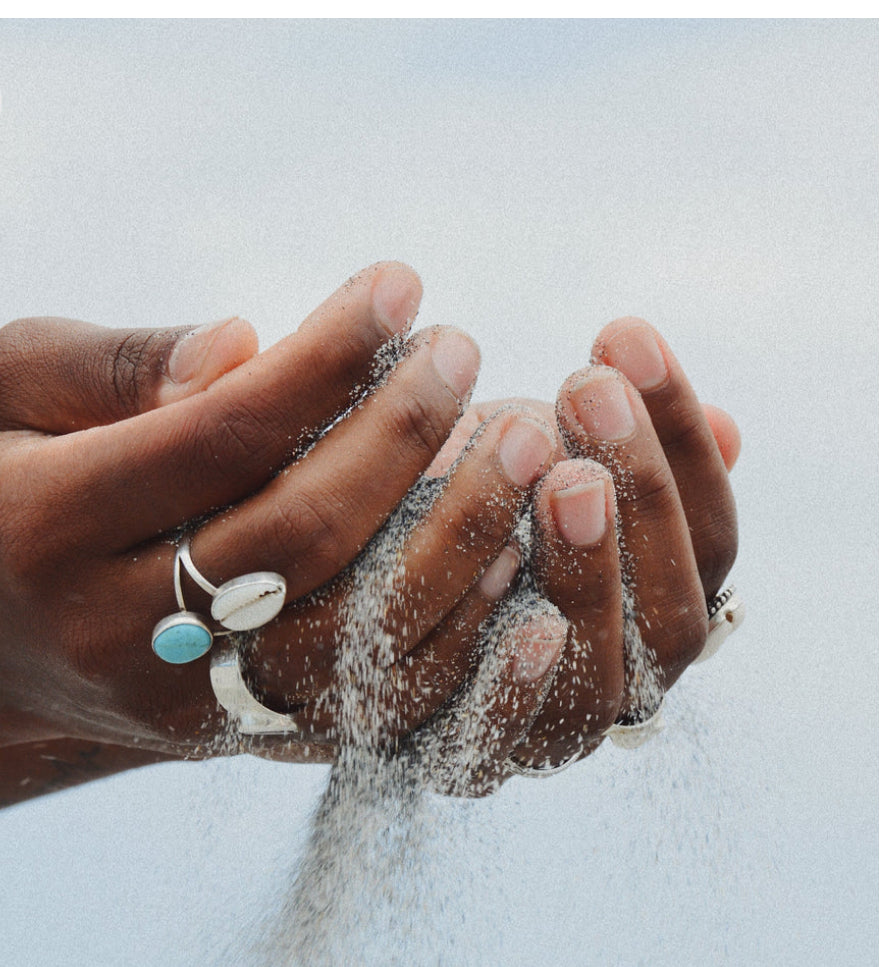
716	177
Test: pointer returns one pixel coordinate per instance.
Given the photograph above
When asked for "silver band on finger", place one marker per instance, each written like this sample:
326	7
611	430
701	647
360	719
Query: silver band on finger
539	772
726	613
247	715
243	603
630	735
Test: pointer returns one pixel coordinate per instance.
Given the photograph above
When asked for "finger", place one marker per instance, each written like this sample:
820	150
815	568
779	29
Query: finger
488	725
475	416
314	518
636	350
577	567
605	419
253	542
60	375
726	433
429	675
215	448
430	566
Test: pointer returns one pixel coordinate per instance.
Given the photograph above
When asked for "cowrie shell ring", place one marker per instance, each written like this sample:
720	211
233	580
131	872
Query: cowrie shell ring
241	604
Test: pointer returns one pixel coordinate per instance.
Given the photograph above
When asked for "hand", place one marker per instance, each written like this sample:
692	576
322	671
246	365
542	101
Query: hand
92	487
645	448
650	453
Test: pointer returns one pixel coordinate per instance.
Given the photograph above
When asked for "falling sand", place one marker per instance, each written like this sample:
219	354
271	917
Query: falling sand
367	889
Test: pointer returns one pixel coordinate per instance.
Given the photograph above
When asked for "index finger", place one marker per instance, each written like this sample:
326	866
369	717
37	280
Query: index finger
213	449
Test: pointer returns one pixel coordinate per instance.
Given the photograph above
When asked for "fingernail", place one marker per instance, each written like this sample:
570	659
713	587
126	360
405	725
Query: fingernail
524	451
603	408
456	358
499	575
193	351
395	299
636	353
580	513
537	649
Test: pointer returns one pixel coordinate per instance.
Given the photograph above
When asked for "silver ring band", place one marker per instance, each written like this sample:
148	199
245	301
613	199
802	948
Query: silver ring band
247	715
540	772
184	636
632	735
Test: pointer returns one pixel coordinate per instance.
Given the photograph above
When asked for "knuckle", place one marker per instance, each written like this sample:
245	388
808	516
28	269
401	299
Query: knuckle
19	351
28	565
683	427
226	442
478	526
715	556
687	626
651	485
307	529
130	369
417	425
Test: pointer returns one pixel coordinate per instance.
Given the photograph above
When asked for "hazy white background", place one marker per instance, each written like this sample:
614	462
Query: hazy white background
718	178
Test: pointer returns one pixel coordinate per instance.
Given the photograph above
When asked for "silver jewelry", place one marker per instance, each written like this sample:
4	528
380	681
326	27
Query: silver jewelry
247	714
182	637
539	772
243	603
630	735
726	613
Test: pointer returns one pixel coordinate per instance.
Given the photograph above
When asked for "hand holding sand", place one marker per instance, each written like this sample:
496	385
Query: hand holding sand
113	442
634	533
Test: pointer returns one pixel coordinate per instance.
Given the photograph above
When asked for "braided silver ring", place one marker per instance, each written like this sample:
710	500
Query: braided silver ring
726	613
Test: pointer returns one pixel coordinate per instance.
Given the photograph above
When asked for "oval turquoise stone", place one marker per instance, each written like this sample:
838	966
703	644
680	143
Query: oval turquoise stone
182	643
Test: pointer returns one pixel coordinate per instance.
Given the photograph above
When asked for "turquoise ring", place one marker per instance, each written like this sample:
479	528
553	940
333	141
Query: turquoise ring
181	638
184	636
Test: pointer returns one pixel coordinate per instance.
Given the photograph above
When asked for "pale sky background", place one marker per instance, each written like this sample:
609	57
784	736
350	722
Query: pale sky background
718	178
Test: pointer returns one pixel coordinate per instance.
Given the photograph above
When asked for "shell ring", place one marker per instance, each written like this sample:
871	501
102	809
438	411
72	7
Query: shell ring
241	604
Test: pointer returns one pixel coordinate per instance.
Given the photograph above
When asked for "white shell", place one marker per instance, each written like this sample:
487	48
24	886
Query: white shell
249	601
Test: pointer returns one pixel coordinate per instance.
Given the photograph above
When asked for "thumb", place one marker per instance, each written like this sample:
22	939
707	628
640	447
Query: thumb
60	375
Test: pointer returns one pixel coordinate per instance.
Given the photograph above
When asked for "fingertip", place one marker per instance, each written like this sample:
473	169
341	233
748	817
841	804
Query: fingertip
610	331
203	355
538	646
235	344
525	449
726	433
576	502
396	293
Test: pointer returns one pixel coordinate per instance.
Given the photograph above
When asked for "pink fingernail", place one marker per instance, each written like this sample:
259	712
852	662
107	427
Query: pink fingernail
636	353
456	358
539	646
498	577
524	451
396	298
581	513
603	408
193	351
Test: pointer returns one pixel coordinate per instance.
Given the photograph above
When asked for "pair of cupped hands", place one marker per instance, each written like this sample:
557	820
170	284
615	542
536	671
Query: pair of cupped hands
113	440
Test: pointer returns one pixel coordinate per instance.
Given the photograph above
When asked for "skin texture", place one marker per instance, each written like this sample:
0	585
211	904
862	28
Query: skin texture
111	439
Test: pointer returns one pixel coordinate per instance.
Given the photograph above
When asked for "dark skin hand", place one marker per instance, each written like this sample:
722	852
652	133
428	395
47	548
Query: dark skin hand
437	646
101	448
